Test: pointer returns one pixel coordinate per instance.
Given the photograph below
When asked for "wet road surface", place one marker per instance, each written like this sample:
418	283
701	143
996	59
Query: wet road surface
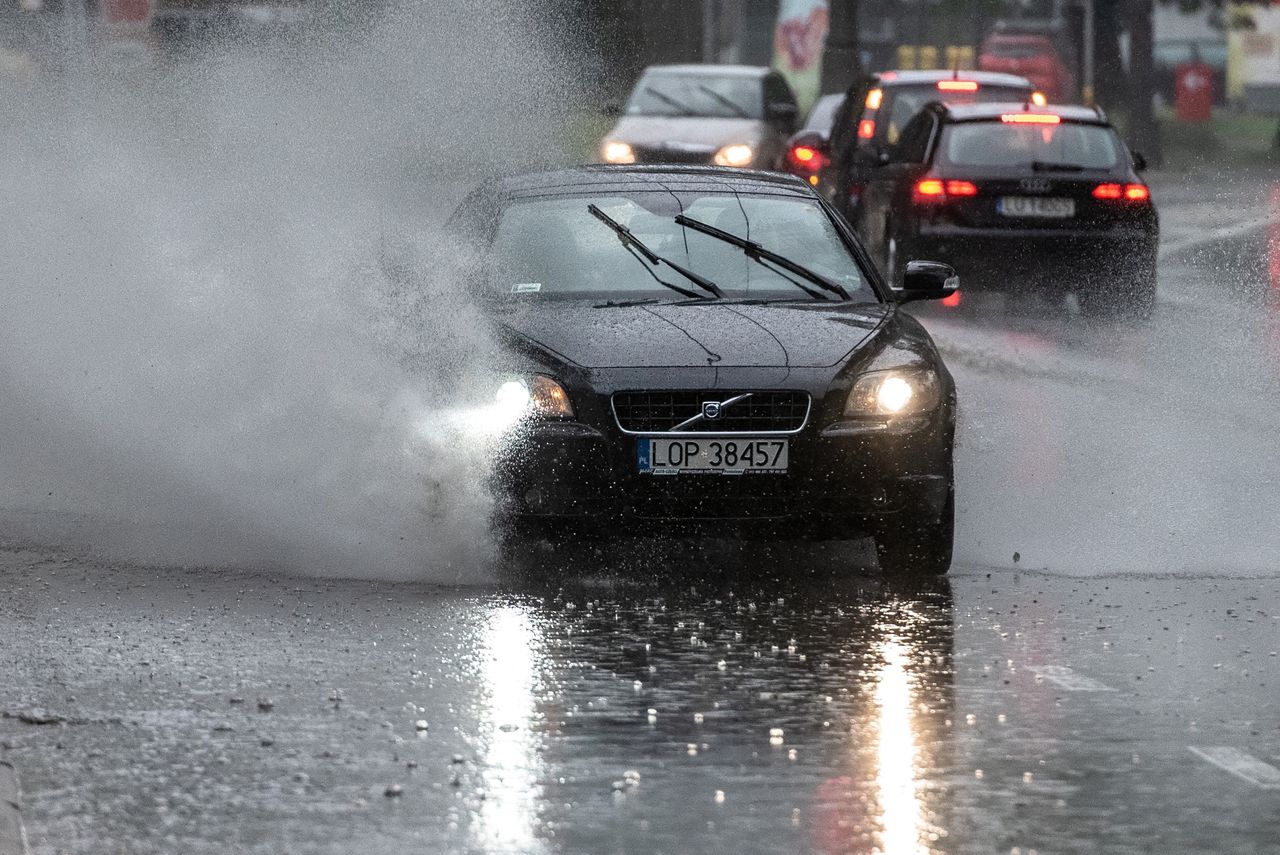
205	712
1098	675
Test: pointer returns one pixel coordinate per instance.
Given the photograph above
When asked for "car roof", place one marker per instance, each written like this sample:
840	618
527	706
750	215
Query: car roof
907	77
716	70
980	112
594	178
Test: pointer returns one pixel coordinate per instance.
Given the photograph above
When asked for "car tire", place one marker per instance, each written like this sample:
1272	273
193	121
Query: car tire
914	545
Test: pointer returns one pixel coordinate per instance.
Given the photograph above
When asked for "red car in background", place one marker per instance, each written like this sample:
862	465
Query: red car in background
1034	57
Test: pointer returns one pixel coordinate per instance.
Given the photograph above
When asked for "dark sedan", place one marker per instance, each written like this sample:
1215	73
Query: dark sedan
696	351
1019	198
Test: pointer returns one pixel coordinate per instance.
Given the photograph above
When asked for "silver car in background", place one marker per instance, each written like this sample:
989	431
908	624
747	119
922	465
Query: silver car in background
725	115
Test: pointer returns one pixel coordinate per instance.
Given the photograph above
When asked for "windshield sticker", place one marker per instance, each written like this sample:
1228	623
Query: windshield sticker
526	288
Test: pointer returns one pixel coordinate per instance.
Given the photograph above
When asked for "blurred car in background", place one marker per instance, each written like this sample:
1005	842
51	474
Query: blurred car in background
809	149
182	21
872	114
723	115
1033	56
1017	197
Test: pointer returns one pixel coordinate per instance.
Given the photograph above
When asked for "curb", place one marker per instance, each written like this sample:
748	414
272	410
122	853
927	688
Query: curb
13	839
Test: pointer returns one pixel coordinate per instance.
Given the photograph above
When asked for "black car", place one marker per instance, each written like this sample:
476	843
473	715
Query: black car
1018	197
874	112
699	351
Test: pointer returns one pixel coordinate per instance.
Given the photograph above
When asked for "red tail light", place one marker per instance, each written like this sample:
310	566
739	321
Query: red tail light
866	129
807	159
1128	192
957	86
930	191
1136	192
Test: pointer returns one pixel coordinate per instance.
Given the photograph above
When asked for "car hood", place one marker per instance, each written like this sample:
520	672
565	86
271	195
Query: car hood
706	334
675	132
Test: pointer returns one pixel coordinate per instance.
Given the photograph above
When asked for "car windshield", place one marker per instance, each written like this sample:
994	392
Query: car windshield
556	248
672	93
1067	145
906	101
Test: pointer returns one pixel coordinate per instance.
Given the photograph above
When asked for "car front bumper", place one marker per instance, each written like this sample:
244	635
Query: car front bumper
569	478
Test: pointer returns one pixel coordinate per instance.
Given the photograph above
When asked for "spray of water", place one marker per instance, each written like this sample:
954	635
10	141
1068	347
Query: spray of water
227	303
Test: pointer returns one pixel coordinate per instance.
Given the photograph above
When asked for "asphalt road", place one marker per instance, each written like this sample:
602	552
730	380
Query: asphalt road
1099	674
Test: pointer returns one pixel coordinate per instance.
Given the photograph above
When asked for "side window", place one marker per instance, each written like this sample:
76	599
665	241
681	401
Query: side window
913	147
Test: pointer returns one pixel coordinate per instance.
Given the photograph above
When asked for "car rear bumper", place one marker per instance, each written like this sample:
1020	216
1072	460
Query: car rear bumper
574	480
1044	258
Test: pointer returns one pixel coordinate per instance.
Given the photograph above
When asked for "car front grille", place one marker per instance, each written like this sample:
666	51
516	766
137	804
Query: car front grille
778	411
675	156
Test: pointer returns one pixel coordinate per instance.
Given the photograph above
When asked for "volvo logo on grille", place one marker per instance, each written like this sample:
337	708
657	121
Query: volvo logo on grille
1034	185
711	409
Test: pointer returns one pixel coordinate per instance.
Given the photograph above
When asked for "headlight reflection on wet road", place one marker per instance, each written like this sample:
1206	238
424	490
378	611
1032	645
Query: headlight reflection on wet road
901	809
511	762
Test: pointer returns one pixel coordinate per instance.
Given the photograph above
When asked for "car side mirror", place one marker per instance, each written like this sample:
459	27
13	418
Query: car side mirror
612	109
1139	162
927	280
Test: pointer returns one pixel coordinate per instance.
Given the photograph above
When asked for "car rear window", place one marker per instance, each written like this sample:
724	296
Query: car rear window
906	101
823	114
547	248
997	143
1018	49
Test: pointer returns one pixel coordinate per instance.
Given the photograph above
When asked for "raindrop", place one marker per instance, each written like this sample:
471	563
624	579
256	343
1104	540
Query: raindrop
265	705
791	754
721	665
720	793
1026	777
970	719
393	791
637	685
691	749
1001	718
977	773
697	718
420	725
653	715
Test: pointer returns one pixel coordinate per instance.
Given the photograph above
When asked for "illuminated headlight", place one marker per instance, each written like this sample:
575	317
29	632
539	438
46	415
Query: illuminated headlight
893	393
737	154
535	396
617	152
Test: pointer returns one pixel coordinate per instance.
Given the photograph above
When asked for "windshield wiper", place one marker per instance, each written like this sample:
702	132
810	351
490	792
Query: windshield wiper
625	304
765	257
685	109
631	242
1041	166
728	102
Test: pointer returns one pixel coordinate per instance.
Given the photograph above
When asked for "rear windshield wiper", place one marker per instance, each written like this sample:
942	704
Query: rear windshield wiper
633	245
1041	166
767	257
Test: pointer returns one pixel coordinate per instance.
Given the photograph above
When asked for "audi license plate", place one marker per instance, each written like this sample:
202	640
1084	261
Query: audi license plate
1035	206
711	456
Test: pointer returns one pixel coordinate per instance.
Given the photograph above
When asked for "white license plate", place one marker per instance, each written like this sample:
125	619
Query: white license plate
716	455
1035	206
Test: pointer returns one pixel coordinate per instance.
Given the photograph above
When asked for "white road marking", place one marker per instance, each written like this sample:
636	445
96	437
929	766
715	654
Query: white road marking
1064	678
1214	235
1241	764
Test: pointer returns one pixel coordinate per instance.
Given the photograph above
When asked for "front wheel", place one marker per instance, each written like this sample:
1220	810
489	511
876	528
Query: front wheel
916	544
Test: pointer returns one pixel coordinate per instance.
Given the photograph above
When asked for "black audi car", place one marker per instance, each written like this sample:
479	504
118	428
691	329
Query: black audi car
1018	197
693	351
